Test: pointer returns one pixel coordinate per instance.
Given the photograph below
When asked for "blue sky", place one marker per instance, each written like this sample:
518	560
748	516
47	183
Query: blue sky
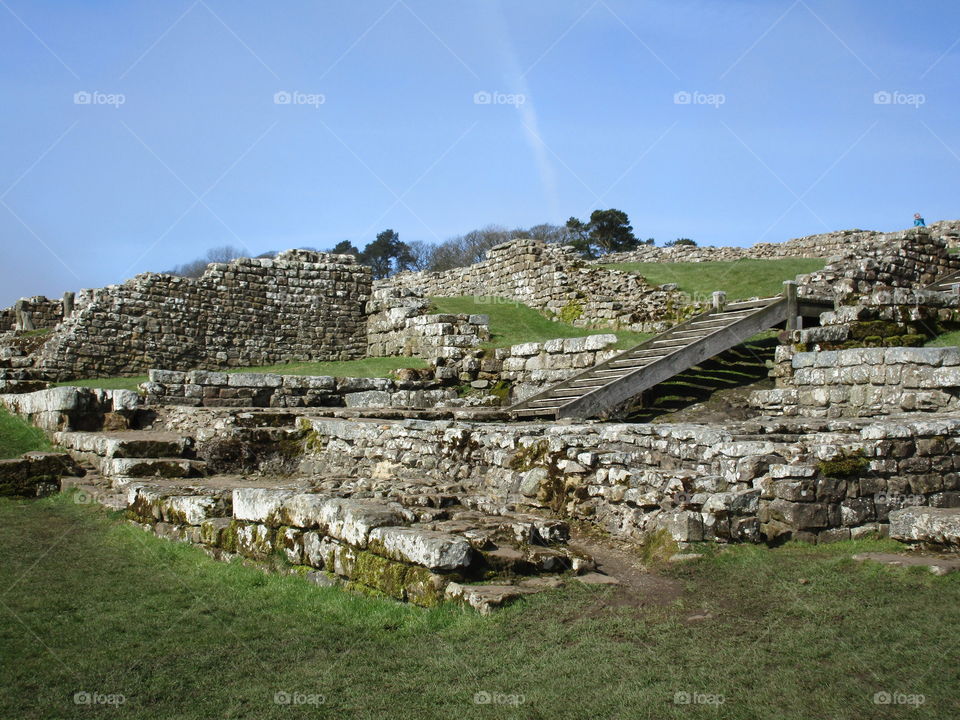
136	135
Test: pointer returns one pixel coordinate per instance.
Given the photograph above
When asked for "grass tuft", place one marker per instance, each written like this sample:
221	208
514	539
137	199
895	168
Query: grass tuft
18	437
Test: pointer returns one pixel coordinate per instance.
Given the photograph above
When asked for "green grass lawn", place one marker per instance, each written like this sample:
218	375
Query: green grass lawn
738	278
18	437
92	605
512	323
945	340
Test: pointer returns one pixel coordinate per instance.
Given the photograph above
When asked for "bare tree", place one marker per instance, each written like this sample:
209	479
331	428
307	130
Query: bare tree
196	268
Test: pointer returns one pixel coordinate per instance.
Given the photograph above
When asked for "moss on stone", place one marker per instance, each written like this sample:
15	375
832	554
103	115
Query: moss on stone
845	465
571	312
531	456
394	579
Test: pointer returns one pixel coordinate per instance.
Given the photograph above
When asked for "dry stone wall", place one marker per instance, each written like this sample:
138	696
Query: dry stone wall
74	408
8	319
554	278
862	382
41	313
909	259
824	245
400	323
754	481
301	305
199	388
884	318
528	368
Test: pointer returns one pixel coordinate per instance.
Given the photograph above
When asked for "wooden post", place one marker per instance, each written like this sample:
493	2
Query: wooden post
719	300
793	310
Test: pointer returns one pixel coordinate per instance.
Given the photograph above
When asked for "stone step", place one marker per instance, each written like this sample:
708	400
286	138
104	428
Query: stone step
160	467
929	525
90	491
127	444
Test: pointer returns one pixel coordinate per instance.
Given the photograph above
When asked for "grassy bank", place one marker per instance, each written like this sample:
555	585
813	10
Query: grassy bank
945	340
92	605
738	278
18	437
512	323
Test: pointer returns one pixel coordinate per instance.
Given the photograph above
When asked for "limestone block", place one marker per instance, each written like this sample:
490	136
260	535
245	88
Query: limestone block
940	526
255	380
431	549
370	398
258	504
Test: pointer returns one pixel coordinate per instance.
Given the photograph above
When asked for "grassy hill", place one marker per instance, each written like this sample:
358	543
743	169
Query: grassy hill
738	278
512	322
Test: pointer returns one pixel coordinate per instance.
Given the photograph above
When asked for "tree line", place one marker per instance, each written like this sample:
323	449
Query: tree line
606	231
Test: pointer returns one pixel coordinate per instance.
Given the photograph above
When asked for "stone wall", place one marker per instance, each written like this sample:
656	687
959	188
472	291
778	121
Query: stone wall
555	279
299	306
399	322
36	473
529	368
888	317
74	408
754	481
42	312
824	245
862	382
199	388
910	259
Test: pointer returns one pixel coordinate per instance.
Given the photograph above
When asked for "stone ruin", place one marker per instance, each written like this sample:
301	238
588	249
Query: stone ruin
298	306
420	487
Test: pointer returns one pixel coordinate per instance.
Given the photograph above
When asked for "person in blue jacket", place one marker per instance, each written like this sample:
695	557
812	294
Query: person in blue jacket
918	221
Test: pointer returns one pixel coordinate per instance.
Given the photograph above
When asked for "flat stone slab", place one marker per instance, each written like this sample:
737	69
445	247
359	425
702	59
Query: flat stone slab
937	526
129	444
597	579
486	598
936	564
432	549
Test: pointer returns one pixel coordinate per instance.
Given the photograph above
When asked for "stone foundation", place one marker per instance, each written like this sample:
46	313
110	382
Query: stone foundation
749	482
200	388
862	382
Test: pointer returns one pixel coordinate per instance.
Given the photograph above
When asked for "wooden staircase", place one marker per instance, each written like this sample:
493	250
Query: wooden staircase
948	284
610	384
